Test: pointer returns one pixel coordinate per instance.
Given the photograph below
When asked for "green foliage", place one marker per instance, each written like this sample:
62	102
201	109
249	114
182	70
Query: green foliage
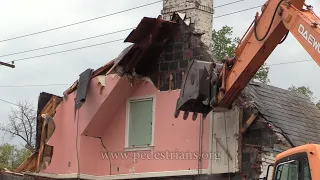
302	90
21	155
262	74
22	123
11	156
224	45
6	156
305	91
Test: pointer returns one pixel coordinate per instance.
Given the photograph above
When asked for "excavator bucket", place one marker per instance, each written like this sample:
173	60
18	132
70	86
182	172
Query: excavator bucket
198	90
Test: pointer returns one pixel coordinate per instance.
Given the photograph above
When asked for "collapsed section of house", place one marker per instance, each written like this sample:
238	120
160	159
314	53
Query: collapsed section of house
126	107
159	55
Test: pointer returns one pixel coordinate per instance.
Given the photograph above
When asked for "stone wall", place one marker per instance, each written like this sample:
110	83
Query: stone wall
192	40
199	12
173	61
259	147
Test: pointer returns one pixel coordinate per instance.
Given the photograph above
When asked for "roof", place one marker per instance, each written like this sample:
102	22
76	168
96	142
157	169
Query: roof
293	113
149	39
43	100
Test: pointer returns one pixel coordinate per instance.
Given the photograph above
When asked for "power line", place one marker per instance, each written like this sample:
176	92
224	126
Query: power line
236	12
9	102
36	49
80	22
33	85
291	62
112	41
234	2
43	85
59	52
92	37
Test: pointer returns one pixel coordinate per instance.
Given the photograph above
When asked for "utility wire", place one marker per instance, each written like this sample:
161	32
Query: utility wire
291	62
234	2
236	12
80	22
59	52
92	37
9	102
36	49
43	85
33	85
22	59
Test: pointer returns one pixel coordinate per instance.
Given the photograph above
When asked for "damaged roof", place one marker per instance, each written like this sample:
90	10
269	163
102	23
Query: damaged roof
292	112
43	100
149	39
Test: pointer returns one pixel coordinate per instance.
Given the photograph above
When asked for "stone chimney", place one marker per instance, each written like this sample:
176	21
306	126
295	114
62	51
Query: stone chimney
198	12
192	40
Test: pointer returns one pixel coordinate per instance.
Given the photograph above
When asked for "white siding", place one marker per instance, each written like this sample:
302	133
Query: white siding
226	130
267	159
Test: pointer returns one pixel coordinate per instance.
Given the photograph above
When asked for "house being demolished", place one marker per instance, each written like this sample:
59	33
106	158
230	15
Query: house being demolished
117	122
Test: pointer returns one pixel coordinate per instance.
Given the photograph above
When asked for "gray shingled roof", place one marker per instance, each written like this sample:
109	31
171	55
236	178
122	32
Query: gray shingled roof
293	113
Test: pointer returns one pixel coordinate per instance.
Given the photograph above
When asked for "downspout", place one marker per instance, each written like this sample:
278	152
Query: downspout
210	142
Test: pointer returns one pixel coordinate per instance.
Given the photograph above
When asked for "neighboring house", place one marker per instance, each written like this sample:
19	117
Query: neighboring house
117	122
286	119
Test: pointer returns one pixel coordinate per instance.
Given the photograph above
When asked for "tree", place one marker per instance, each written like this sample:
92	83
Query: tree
20	156
223	45
6	156
305	91
22	123
302	90
11	156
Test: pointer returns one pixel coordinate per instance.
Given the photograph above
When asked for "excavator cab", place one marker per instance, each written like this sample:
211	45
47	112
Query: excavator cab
298	163
199	89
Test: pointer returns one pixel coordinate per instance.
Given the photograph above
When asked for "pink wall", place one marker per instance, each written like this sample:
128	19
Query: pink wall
104	115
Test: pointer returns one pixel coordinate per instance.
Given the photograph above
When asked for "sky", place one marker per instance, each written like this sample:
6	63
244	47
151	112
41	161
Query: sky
20	17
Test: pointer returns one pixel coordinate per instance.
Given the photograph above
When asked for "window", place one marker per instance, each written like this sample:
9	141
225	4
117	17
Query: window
306	169
139	126
287	171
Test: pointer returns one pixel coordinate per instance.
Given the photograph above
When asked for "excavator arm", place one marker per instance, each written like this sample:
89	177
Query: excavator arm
211	86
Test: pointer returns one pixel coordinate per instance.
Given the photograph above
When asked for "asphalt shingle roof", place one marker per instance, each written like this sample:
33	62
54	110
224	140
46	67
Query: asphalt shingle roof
293	113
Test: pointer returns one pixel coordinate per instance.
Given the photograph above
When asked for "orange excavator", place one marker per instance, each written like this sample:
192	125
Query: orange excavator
209	86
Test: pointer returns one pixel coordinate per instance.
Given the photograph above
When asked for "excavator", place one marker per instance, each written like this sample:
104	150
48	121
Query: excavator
210	86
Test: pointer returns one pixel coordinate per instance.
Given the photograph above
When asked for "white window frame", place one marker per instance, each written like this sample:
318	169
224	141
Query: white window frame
287	162
139	98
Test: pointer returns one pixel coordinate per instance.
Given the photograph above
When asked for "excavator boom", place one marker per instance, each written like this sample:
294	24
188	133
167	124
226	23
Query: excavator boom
305	27
212	86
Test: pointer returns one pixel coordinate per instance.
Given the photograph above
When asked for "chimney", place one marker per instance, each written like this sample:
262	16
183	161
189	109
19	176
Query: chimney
199	12
192	40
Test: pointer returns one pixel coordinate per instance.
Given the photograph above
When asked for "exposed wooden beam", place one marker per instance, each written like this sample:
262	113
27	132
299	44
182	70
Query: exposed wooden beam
50	107
42	143
29	164
250	120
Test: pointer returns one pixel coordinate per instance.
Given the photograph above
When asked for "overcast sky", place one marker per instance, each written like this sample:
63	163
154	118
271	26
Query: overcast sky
20	17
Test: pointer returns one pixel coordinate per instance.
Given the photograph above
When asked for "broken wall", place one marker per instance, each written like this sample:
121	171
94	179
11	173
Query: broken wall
197	12
185	46
260	145
192	40
170	134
